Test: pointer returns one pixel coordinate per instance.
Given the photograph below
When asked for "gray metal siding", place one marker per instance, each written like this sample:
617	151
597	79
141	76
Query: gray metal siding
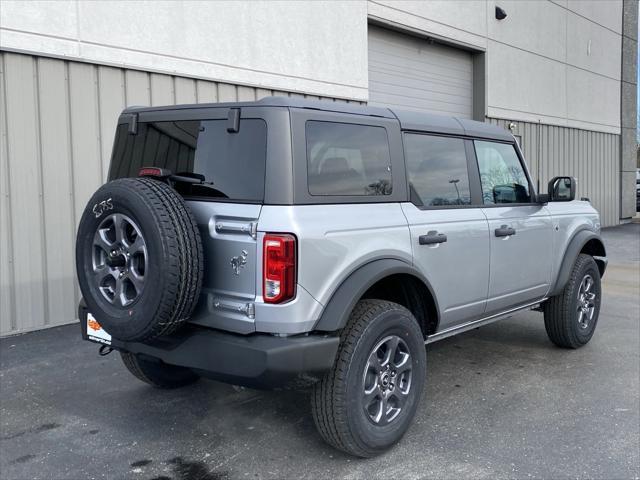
57	125
413	74
57	121
592	157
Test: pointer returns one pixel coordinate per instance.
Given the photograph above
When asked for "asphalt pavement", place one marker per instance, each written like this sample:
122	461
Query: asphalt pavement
500	402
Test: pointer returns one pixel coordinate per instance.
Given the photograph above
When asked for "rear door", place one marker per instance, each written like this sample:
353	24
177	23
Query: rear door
449	235
520	230
226	203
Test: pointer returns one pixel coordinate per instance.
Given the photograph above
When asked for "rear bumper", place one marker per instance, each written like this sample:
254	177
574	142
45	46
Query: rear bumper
257	360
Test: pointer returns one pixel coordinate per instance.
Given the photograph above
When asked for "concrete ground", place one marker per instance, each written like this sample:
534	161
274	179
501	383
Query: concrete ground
500	402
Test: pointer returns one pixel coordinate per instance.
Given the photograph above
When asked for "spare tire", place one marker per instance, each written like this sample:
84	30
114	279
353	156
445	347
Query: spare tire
139	259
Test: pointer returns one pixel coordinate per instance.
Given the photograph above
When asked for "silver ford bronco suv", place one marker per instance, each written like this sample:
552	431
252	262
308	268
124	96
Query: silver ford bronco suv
265	243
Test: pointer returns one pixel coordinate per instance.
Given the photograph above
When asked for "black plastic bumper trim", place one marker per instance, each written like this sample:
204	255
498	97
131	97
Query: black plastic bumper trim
257	360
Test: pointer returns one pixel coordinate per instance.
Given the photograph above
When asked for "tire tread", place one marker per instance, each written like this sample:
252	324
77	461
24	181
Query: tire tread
157	375
183	262
328	403
558	318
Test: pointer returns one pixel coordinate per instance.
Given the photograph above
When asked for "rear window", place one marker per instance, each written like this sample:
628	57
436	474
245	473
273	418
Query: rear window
233	164
347	159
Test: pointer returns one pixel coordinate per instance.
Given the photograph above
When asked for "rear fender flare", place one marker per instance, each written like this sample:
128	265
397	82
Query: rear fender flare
336	313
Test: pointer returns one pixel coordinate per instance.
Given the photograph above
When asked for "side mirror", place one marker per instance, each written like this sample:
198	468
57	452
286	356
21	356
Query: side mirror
513	193
504	194
562	189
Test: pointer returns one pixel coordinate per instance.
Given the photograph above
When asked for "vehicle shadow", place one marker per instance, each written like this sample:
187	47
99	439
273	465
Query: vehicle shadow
214	416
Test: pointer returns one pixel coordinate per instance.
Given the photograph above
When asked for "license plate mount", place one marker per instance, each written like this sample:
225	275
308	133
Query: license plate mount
95	332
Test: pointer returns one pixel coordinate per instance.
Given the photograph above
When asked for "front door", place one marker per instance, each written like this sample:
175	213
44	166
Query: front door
449	236
520	230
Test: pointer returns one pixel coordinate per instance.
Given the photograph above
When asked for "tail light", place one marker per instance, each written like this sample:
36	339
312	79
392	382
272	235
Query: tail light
153	172
279	268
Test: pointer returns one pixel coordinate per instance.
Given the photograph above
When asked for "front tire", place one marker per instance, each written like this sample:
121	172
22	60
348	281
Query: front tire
570	318
366	402
157	373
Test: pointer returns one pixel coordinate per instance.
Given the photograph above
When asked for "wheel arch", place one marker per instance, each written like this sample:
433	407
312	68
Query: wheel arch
584	241
385	279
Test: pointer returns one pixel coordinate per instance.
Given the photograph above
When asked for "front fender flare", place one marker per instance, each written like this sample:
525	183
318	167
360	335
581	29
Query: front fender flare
336	313
576	244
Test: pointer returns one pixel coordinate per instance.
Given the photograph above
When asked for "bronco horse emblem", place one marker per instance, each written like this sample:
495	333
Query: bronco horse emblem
238	263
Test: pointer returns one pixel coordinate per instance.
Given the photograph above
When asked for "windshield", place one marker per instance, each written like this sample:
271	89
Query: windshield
232	164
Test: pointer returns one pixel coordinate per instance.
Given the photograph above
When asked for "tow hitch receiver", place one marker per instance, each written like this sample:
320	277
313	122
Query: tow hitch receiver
105	350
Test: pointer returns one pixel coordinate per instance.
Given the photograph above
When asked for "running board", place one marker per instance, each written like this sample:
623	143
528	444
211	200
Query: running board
478	323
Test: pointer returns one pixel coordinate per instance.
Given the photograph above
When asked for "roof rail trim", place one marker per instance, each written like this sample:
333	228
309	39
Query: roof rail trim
408	120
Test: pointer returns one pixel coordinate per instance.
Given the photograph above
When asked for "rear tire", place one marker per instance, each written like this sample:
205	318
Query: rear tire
570	318
157	373
367	401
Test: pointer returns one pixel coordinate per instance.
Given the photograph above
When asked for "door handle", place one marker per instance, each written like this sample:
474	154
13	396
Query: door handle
505	231
432	238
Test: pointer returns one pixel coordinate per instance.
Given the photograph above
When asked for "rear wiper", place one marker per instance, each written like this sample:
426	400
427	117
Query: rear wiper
189	177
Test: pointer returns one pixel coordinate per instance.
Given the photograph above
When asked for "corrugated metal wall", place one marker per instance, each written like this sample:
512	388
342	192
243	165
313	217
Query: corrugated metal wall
57	120
57	127
592	157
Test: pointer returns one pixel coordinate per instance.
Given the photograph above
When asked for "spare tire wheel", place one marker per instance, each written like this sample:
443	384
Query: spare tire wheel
139	259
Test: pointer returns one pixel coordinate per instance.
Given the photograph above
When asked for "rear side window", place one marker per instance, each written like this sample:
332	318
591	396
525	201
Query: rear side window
501	174
233	164
437	170
347	159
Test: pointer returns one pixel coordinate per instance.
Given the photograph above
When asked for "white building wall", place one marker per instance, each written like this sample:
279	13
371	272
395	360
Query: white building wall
553	62
311	47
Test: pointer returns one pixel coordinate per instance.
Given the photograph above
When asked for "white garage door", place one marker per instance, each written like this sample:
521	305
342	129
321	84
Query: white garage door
412	74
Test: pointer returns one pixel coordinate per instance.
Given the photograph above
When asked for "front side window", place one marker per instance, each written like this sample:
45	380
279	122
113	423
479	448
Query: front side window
437	170
501	174
347	159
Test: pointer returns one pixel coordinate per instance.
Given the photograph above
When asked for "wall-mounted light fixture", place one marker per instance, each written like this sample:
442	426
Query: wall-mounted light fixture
500	13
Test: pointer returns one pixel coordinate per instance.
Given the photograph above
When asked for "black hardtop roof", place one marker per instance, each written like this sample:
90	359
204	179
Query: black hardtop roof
409	120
